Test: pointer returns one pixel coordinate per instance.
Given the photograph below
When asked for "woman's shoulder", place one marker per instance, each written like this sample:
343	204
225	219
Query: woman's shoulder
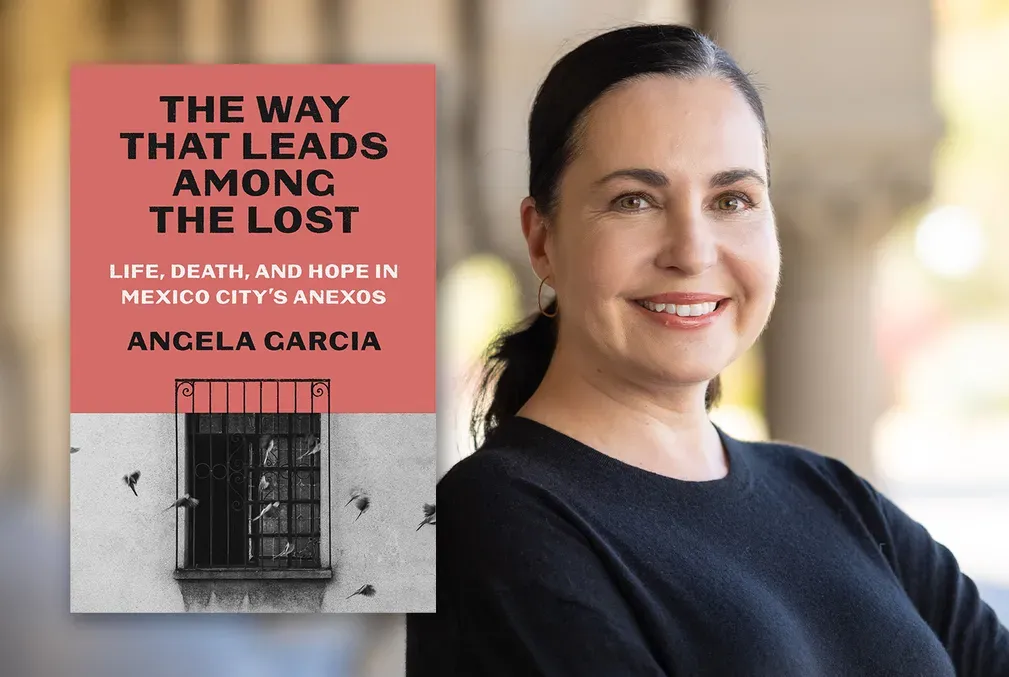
509	458
504	500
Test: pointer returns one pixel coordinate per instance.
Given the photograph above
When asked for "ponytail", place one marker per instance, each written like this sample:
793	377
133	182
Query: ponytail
515	368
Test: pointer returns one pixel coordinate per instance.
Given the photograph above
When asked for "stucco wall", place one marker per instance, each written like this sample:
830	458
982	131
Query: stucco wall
122	546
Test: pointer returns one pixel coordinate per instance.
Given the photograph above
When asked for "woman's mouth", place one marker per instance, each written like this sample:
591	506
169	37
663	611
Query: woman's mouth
689	310
683	315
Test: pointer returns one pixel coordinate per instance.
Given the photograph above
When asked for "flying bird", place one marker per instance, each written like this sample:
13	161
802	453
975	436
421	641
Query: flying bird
366	590
355	493
186	501
269	450
267	509
362	504
429	516
288	549
264	484
74	450
131	481
313	449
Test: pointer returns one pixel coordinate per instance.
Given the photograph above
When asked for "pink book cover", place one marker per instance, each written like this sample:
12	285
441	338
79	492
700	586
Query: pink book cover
252	386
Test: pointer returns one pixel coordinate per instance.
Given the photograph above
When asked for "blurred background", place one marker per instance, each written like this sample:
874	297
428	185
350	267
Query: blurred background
889	346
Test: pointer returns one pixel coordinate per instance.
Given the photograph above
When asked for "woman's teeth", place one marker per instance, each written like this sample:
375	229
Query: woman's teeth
693	310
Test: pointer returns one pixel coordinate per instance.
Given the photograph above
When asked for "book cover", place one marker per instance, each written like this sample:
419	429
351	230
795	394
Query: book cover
252	267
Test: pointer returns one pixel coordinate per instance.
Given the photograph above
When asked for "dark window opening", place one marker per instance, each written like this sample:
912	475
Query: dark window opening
256	477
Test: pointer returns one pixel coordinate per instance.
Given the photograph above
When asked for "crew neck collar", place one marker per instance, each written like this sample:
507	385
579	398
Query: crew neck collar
735	484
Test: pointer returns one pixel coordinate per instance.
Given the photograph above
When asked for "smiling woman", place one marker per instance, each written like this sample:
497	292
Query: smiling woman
606	526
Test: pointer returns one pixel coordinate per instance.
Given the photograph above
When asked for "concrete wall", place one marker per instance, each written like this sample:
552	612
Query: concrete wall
122	555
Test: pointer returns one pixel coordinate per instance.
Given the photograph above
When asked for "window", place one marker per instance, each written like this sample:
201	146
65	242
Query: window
252	482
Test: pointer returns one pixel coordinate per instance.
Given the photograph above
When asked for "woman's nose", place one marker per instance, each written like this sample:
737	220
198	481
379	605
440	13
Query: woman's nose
689	243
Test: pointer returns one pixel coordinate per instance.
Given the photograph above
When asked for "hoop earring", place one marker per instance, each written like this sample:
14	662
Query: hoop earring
539	299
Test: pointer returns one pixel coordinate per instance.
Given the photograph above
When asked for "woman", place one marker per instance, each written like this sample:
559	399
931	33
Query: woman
606	526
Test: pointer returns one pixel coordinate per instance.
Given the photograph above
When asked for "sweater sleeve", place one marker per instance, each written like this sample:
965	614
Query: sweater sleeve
947	599
520	591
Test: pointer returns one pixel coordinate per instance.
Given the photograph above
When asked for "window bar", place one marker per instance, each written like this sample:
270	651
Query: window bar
259	464
257	473
246	543
292	436
311	473
227	469
329	473
191	479
210	416
176	474
277	432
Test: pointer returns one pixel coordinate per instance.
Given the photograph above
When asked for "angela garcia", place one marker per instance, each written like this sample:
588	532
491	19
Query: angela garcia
272	340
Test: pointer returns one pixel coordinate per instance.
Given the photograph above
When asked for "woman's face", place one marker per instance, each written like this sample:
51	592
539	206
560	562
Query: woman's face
662	214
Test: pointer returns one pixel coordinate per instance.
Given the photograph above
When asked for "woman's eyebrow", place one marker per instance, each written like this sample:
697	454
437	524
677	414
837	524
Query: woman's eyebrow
657	179
731	176
652	177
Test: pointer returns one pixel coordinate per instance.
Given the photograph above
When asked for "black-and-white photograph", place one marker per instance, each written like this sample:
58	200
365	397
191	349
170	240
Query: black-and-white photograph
252	497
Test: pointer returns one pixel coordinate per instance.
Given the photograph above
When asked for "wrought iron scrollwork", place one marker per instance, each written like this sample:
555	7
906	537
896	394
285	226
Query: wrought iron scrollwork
186	389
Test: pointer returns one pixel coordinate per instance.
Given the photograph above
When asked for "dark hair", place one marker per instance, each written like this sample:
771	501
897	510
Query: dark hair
518	360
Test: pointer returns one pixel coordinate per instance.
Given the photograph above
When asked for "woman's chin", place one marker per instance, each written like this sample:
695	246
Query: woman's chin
684	367
677	378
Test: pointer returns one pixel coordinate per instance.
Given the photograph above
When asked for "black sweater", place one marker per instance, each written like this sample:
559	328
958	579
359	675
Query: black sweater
556	559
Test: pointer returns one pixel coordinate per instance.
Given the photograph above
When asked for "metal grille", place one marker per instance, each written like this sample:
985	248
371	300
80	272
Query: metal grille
254	453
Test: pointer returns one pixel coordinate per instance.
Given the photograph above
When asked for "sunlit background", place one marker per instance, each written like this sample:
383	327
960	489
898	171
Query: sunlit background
889	347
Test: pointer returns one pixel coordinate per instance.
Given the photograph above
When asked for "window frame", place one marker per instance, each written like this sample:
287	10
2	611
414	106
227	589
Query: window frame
190	403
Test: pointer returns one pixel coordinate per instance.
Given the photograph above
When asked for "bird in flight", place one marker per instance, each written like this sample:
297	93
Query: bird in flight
288	549
313	448
270	448
361	504
429	516
366	590
355	493
131	481
186	501
268	508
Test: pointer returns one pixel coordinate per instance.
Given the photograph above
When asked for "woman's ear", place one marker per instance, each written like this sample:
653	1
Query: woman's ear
537	234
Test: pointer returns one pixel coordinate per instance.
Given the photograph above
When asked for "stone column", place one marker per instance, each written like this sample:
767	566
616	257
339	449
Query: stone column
142	31
849	103
206	31
824	386
284	32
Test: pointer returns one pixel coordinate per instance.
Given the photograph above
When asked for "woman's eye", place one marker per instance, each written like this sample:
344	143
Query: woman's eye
732	203
631	203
